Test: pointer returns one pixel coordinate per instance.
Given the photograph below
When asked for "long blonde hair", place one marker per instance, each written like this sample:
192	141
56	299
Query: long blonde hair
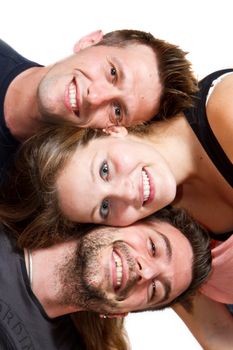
101	334
29	204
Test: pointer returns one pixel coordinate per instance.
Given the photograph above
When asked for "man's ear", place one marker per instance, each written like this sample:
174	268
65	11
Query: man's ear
120	315
116	131
88	40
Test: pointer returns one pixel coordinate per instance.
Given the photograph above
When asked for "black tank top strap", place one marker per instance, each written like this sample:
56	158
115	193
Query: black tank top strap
197	118
220	236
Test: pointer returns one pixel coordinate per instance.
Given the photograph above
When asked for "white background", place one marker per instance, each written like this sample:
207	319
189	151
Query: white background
45	31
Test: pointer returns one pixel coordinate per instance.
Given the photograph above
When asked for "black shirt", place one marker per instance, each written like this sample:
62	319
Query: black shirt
197	118
24	324
11	65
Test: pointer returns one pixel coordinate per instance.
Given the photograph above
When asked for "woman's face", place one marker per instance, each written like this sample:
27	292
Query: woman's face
115	180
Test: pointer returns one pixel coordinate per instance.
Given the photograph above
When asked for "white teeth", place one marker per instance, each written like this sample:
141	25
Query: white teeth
146	186
72	96
119	271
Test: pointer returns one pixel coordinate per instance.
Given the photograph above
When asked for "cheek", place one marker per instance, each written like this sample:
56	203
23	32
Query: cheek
125	215
135	302
136	242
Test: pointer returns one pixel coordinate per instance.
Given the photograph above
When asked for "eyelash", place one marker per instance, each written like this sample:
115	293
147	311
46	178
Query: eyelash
104	209
117	114
153	290
153	248
115	75
153	253
104	171
104	174
117	117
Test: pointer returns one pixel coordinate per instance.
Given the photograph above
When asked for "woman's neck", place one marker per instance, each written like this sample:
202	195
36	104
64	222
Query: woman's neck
175	141
200	187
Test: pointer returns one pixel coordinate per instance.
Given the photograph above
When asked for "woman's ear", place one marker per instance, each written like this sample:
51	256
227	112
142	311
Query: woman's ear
88	40
116	131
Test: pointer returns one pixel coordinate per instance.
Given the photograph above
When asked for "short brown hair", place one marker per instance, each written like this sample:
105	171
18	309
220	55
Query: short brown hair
199	239
178	82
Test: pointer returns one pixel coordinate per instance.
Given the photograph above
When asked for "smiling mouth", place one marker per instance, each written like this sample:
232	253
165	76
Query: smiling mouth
72	93
119	271
146	186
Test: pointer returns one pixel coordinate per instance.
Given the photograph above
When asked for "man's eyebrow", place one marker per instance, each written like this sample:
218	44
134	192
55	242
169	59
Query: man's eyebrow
166	282
167	287
167	244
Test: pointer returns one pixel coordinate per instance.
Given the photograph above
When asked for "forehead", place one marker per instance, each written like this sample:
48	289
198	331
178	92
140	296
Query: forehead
178	245
98	145
135	233
140	59
145	228
122	150
134	51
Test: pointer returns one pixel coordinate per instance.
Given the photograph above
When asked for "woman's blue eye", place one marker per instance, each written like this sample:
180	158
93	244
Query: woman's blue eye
153	248
104	209
104	170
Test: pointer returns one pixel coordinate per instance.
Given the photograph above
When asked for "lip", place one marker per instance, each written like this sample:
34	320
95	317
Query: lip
114	272
152	188
67	98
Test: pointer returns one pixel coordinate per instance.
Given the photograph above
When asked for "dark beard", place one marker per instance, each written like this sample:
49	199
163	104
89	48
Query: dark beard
78	275
75	274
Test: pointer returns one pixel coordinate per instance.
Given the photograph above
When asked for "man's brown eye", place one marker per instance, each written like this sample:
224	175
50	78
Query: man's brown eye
117	115
113	71
117	112
153	248
153	290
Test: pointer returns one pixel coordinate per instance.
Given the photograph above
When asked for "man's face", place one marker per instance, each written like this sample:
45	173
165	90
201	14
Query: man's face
102	85
132	268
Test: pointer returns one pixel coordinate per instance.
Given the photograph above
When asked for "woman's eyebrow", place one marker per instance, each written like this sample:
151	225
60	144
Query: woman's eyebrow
92	167
93	180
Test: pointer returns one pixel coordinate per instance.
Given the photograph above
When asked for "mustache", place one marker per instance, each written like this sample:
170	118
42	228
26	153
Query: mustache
129	286
87	254
132	271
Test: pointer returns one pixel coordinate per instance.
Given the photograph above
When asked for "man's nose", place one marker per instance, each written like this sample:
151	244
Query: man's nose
147	270
147	273
99	93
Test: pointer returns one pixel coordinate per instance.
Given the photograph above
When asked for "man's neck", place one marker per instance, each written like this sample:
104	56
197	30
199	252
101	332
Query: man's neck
45	282
20	106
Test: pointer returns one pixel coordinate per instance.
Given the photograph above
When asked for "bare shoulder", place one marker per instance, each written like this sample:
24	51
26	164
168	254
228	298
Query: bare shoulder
220	113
